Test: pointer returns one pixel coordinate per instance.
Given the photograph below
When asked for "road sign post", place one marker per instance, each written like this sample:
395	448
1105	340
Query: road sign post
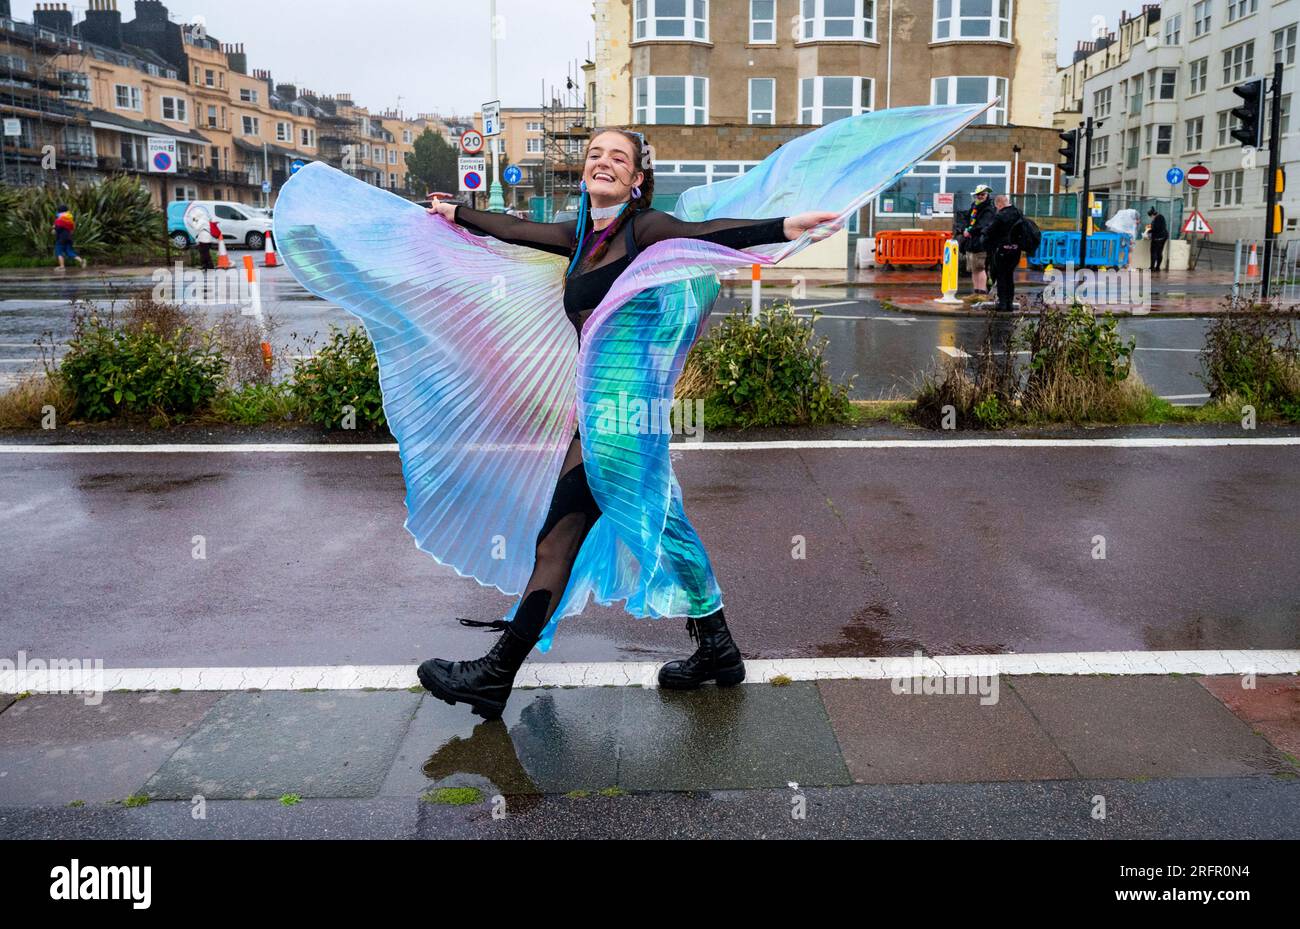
1274	166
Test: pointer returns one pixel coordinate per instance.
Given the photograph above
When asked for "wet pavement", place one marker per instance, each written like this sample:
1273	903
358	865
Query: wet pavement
888	350
846	758
956	550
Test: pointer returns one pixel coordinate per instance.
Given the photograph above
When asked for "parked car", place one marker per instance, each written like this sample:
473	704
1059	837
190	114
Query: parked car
240	223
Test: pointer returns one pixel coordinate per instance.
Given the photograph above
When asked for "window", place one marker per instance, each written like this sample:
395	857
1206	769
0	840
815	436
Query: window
1238	62
1239	8
534	146
1174	30
1196	72
671	19
672	178
1135	101
1284	117
1284	46
126	97
837	20
1131	149
229	212
392	179
248	95
533	127
762	101
379	154
950	90
1100	151
1168	83
173	109
972	19
209	77
1200	18
1039	178
307	138
183	194
1228	188
914	193
762	21
825	99
1101	103
284	132
1195	133
392	156
672	100
1226	125
1164	138
252	125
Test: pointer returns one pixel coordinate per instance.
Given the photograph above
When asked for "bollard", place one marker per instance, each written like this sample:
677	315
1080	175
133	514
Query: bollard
255	288
757	297
948	277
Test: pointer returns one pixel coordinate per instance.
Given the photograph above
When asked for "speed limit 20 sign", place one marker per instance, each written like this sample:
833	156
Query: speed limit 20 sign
471	142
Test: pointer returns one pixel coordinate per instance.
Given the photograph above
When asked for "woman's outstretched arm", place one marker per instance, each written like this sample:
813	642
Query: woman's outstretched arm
556	238
733	233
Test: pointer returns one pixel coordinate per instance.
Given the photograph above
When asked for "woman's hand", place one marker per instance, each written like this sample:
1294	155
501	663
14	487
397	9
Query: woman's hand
444	208
796	226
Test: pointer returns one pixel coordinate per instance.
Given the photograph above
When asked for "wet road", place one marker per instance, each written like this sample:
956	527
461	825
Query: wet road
888	351
947	549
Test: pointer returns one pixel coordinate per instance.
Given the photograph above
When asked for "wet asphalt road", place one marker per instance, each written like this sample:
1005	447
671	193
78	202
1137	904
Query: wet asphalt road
949	550
888	351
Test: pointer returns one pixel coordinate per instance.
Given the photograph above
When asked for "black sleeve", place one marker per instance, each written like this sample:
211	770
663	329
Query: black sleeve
655	226
557	238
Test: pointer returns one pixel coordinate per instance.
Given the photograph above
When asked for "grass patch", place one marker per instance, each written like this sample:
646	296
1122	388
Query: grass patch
135	800
453	796
613	792
781	680
290	800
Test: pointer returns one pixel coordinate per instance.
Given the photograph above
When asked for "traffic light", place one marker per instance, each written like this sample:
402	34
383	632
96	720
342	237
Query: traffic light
1070	153
1248	114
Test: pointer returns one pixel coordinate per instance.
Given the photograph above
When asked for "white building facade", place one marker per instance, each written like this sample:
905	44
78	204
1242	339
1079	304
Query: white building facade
1170	105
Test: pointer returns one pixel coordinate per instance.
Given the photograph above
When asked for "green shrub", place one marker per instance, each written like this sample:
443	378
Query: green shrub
343	373
112	368
256	404
114	217
1251	352
769	372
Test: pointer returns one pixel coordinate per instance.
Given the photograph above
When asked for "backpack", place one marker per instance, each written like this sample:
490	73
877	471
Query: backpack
1026	234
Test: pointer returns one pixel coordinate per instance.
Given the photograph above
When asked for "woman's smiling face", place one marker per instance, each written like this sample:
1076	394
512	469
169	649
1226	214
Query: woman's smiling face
611	170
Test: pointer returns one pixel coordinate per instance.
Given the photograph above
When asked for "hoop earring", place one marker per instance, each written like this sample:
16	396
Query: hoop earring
636	193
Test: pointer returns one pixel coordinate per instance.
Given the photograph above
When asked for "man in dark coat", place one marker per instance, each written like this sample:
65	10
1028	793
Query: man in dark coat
969	229
1158	233
1004	249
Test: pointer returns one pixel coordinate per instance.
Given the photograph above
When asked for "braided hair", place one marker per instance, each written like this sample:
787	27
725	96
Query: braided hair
642	155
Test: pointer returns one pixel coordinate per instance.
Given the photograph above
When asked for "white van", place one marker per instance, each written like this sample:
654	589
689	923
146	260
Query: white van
240	223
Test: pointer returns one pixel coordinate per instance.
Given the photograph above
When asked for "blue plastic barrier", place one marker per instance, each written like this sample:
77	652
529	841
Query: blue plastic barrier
1105	250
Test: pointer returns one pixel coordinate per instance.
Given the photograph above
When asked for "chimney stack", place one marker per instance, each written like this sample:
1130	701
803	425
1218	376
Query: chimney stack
103	24
236	57
53	16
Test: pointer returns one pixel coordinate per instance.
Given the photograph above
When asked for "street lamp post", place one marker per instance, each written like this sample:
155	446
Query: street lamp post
496	202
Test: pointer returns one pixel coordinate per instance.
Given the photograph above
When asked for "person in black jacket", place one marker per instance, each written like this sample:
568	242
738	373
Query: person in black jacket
1158	233
1004	249
969	229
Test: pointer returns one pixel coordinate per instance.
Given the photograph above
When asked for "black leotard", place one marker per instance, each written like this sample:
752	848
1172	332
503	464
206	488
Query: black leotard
588	284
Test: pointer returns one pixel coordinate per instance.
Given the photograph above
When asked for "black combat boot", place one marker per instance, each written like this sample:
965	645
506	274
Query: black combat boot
485	683
717	658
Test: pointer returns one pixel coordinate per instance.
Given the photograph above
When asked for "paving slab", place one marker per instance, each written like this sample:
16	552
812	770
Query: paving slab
267	744
1271	706
56	749
1146	726
552	740
907	738
722	738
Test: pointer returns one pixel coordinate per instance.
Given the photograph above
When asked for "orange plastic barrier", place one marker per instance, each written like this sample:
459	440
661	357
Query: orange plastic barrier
915	247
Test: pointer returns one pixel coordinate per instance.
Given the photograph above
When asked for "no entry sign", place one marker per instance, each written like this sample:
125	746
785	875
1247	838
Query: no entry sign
1198	176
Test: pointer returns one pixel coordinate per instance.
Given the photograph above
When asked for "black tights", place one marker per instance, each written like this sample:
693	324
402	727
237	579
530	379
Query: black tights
573	512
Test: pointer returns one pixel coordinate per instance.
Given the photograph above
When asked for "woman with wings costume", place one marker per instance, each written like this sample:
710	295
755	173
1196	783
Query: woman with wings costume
504	346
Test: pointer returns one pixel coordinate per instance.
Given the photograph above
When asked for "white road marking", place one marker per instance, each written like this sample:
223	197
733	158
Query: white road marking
1186	397
783	445
818	306
952	351
892	319
644	674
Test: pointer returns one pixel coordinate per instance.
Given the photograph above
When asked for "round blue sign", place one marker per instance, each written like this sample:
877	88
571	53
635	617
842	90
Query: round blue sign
1174	175
162	161
512	174
472	180
297	166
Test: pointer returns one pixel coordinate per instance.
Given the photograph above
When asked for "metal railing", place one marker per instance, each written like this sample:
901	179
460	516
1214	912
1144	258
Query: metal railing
1284	269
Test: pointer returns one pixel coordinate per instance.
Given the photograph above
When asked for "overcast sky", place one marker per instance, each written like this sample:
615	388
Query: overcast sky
434	53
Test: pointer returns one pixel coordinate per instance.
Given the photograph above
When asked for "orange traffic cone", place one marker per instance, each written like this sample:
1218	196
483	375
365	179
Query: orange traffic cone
1252	266
269	254
223	257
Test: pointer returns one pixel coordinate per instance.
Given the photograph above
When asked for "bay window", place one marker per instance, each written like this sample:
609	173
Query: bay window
687	20
837	20
972	19
680	100
825	99
958	90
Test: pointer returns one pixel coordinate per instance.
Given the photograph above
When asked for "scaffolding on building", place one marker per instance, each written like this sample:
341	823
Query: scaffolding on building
566	129
42	81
